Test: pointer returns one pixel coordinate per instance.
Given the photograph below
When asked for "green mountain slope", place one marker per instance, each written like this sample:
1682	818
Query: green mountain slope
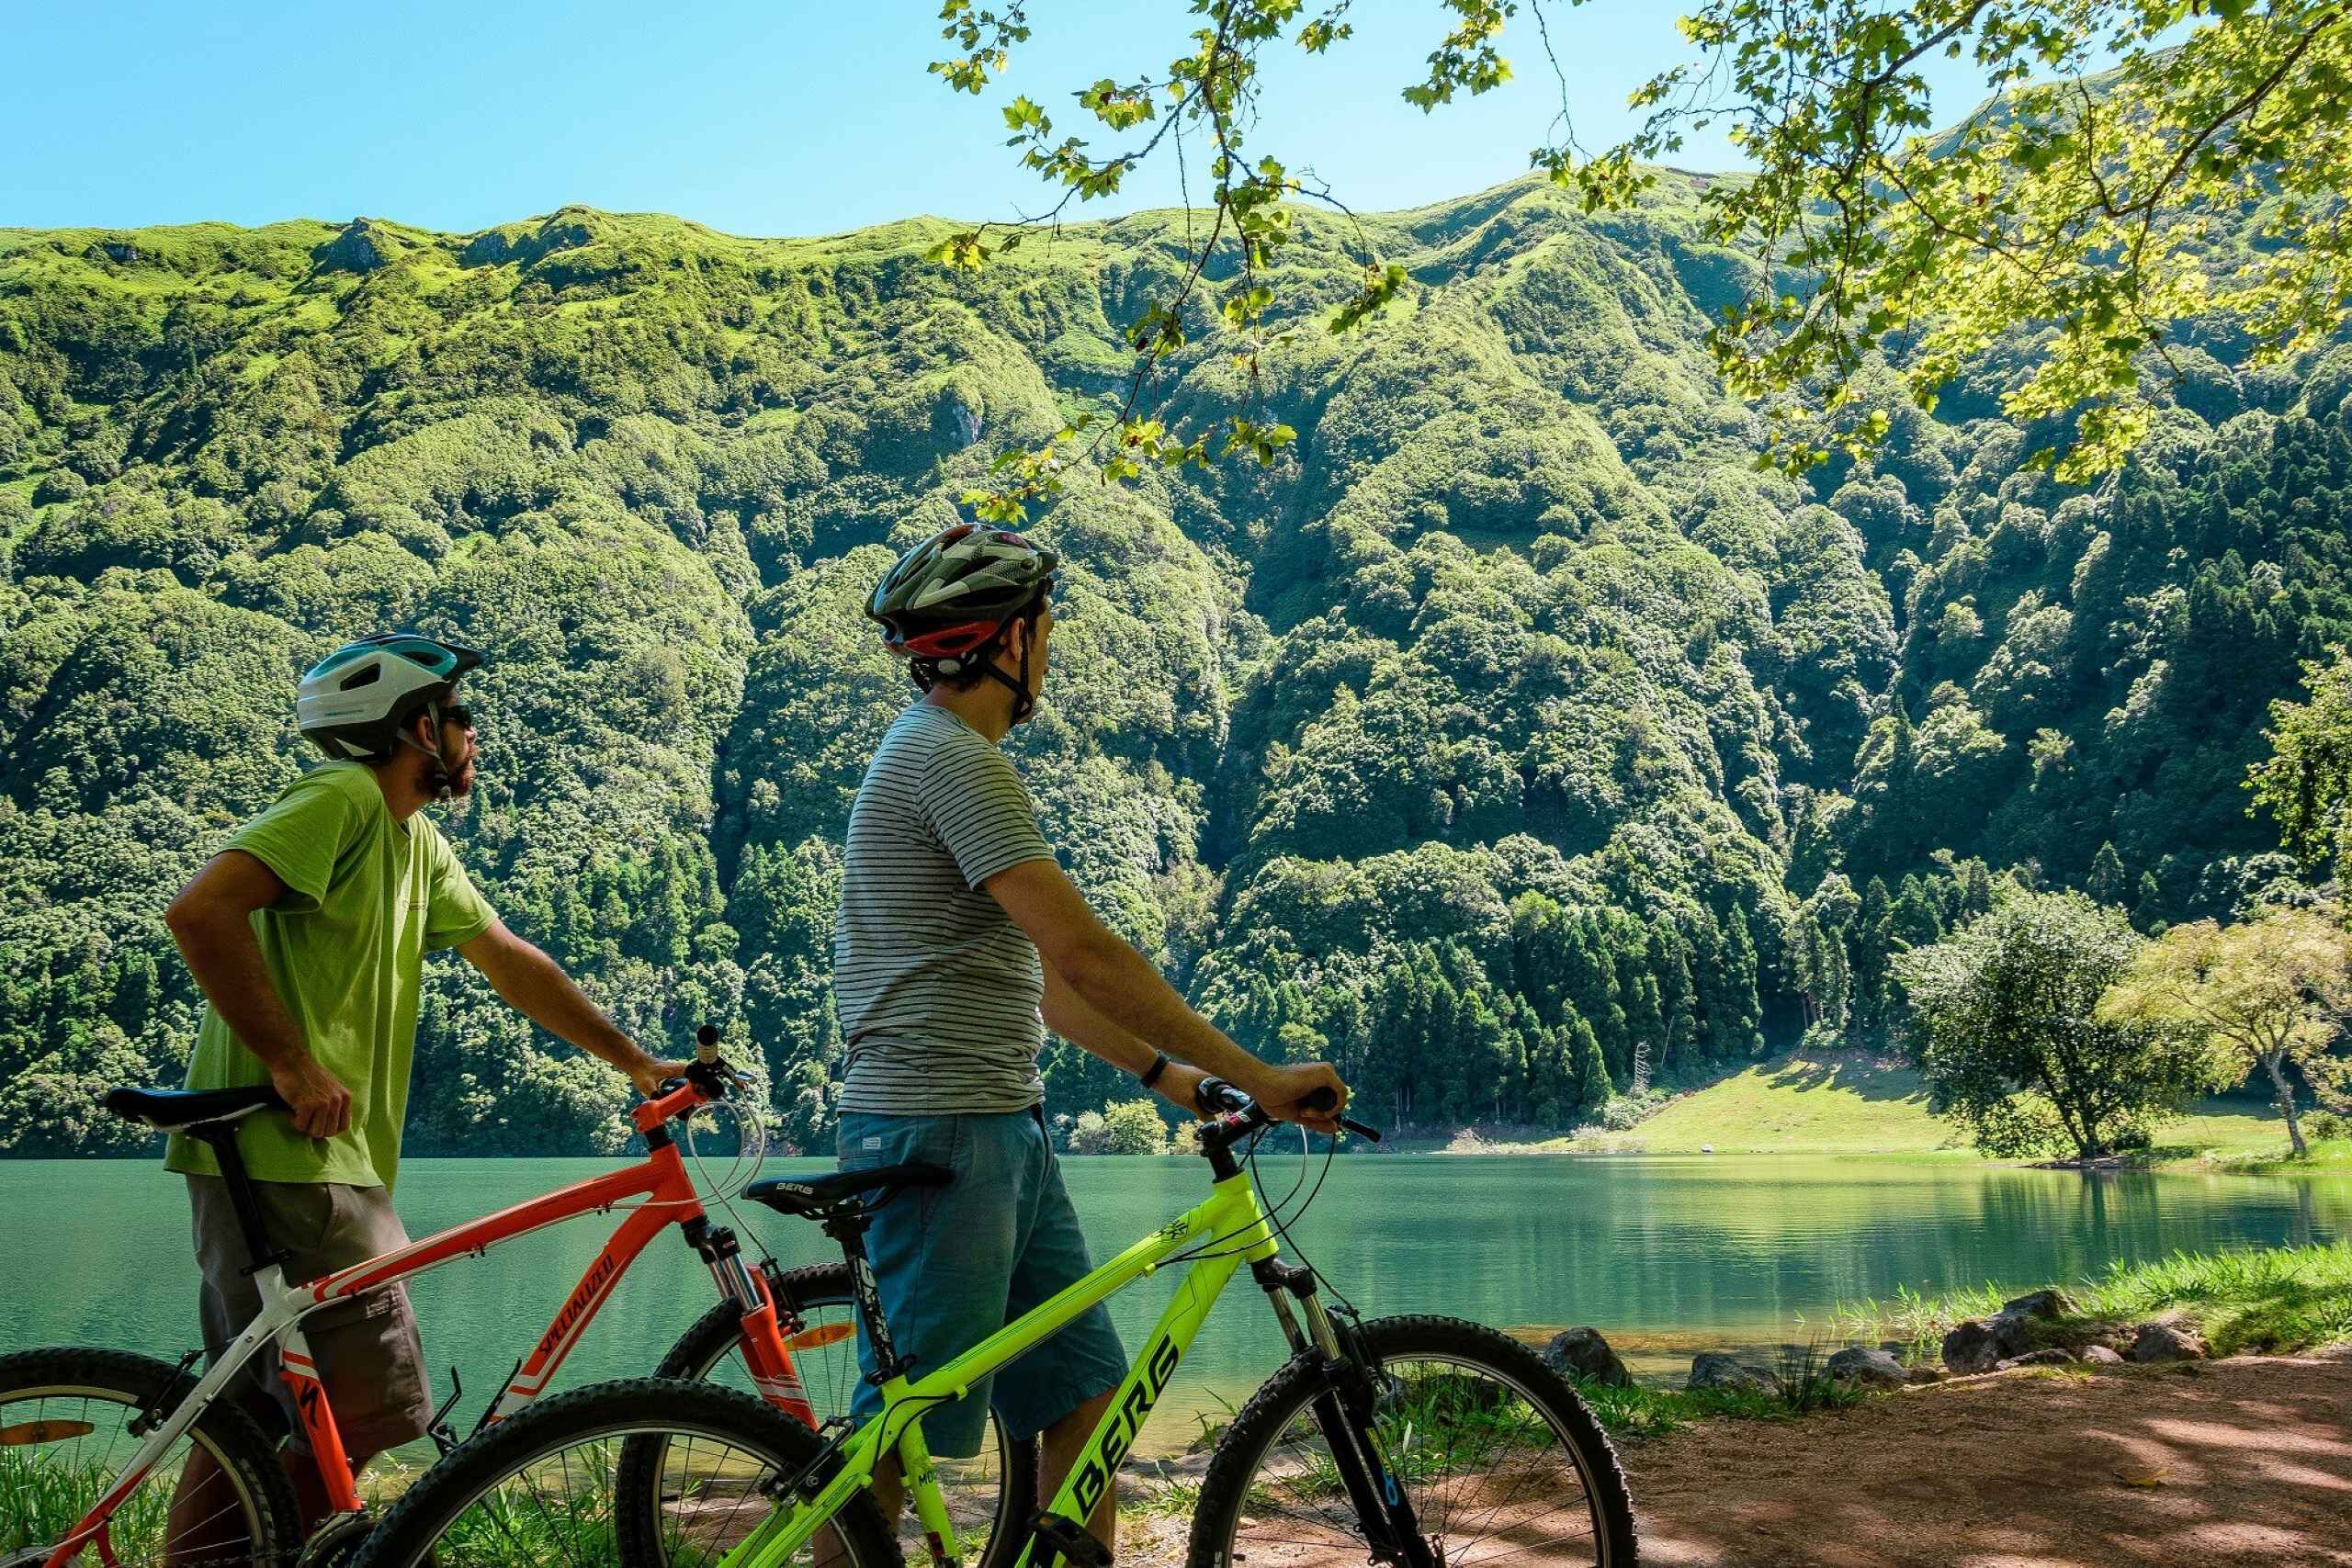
1515	728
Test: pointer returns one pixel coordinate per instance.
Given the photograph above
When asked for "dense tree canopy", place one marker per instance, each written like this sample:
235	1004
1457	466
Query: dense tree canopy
1509	734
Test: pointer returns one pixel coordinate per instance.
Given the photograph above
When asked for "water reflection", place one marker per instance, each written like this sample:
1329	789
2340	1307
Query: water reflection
1666	1255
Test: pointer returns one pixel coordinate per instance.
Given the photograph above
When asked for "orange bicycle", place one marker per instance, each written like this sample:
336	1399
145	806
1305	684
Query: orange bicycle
93	1441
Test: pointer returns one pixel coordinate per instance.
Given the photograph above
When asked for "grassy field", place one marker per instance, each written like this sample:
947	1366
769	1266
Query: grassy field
1795	1105
1855	1104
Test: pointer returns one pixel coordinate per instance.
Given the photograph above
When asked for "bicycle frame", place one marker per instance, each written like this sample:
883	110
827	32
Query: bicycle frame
1232	1220
660	1178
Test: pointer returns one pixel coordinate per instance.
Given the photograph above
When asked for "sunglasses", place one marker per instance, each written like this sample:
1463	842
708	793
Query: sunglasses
458	715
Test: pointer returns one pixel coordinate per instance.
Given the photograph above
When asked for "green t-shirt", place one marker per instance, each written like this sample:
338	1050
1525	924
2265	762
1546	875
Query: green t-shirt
365	899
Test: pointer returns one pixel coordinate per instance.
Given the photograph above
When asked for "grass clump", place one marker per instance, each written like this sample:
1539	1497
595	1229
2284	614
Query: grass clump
1801	1384
2271	1299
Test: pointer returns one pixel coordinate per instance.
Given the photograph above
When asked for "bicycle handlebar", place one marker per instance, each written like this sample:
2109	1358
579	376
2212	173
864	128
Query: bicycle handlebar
1215	1094
708	1077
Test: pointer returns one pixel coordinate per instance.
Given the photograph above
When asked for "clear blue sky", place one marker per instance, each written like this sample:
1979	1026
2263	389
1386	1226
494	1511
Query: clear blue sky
756	116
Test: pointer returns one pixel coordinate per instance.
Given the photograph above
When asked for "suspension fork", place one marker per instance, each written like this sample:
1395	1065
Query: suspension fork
747	1289
1346	1410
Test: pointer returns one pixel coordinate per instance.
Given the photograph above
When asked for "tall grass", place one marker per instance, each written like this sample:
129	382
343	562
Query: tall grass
42	1495
2277	1299
1799	1384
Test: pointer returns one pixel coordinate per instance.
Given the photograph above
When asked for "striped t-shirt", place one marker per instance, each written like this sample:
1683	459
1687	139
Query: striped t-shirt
938	990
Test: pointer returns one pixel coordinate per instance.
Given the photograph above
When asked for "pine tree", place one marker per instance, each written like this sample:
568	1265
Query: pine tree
1916	919
1975	889
1742	1009
2107	882
1872	945
1592	1068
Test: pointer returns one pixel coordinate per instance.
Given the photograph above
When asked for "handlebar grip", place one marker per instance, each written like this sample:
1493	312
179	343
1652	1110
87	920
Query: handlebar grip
1324	1099
707	1044
1217	1095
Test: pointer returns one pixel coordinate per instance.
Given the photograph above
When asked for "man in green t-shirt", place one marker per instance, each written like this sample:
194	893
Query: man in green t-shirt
308	934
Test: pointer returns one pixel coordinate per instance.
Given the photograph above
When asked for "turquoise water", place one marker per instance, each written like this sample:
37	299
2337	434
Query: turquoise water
1666	1256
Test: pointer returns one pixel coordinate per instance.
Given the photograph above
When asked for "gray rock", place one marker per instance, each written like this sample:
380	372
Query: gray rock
1582	1353
2048	1305
2166	1342
1973	1346
1982	1343
1924	1373
1710	1368
1871	1367
2101	1356
2051	1356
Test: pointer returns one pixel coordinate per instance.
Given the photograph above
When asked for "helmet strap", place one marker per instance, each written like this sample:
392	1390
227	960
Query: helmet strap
437	777
1023	701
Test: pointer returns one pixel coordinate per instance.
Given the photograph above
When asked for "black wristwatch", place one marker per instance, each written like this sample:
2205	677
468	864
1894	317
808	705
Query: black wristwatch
1150	1075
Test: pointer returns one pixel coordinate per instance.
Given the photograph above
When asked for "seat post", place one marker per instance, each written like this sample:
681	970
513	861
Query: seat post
221	1136
847	1226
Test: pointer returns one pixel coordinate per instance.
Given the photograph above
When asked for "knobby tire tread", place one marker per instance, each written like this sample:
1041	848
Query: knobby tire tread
413	1524
1269	1411
235	1438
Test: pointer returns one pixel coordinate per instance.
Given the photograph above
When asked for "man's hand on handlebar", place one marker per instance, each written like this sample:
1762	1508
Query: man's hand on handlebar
649	1074
1282	1092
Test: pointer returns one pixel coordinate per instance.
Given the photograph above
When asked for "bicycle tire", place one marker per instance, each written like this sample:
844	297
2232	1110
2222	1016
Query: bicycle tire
273	1520
705	1346
414	1526
1241	1453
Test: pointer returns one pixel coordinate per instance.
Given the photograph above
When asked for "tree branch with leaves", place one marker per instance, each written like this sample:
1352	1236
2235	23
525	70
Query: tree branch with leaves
2076	205
2264	994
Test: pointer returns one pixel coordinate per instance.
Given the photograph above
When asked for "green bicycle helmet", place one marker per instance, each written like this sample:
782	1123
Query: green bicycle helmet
944	603
355	702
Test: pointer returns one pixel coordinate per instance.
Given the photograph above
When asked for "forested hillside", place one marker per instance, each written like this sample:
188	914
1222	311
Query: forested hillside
1513	726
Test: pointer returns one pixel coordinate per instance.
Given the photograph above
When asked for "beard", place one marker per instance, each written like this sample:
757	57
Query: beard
460	777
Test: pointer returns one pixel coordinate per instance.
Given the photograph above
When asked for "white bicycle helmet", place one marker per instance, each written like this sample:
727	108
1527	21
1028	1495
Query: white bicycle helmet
355	702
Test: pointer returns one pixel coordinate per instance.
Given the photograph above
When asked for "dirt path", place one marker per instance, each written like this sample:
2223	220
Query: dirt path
2251	1462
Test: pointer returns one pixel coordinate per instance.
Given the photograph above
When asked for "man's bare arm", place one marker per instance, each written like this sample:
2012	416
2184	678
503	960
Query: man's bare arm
211	920
536	986
1121	985
1073	1017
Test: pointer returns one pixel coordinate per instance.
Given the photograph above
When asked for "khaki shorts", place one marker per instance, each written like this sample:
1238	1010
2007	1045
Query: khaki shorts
368	1354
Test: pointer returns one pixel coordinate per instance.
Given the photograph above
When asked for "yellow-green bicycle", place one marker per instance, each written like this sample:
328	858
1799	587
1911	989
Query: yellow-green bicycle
1418	1442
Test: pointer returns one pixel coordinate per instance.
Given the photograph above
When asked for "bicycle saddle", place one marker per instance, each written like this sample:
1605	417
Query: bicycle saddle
169	1110
812	1197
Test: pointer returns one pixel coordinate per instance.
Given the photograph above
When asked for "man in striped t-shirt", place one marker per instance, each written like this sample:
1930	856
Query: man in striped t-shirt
960	942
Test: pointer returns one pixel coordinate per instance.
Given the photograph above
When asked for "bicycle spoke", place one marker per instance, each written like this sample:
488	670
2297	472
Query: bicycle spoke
64	1451
1487	1477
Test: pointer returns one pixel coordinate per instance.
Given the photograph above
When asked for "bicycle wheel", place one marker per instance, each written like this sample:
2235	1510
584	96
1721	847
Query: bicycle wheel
1500	1461
989	1495
538	1488
66	1420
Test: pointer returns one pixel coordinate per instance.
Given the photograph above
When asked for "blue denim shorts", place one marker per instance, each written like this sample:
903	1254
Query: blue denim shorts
956	1263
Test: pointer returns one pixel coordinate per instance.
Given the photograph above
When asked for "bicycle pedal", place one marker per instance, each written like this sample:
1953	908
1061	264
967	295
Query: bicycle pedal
1068	1540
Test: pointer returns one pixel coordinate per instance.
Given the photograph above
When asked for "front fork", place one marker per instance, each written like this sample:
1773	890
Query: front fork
748	1290
1346	1410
